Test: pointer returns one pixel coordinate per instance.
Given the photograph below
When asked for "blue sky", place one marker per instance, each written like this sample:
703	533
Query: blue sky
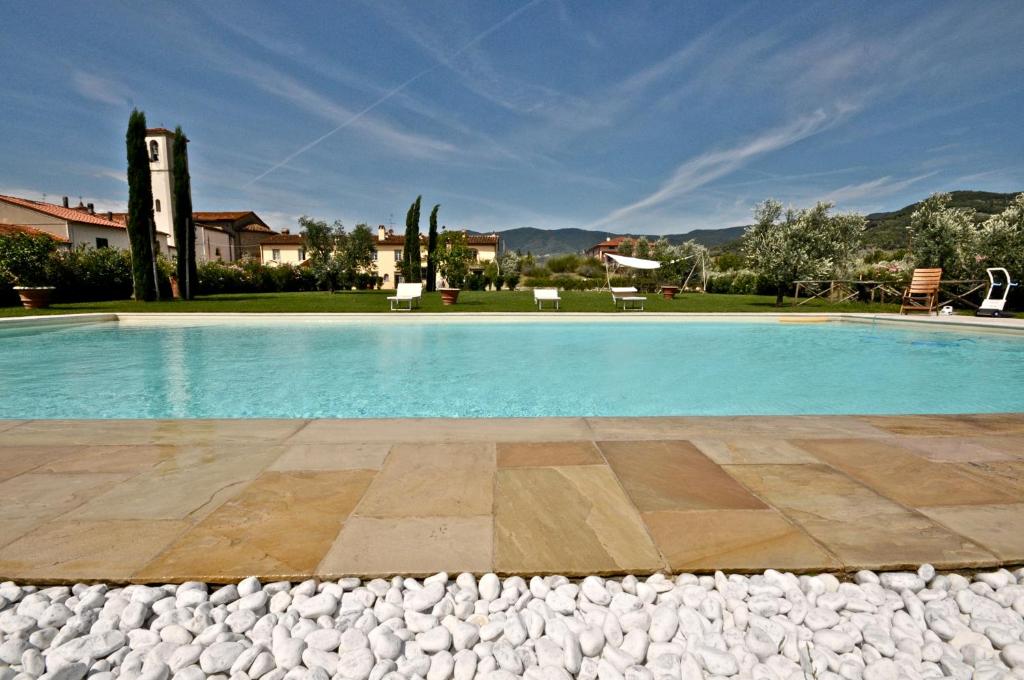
624	116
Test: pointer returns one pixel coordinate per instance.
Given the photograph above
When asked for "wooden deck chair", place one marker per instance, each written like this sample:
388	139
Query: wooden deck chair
923	293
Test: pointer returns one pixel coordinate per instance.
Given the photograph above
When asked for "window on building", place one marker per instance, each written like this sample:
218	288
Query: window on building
475	254
102	242
156	205
216	252
154	151
375	255
302	254
275	255
398	256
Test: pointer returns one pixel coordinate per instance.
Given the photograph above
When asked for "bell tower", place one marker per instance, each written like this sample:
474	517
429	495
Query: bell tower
159	146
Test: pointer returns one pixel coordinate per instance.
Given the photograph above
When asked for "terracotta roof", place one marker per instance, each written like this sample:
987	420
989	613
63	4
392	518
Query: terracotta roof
234	216
254	226
612	242
207	225
8	229
67	214
159	131
471	239
283	240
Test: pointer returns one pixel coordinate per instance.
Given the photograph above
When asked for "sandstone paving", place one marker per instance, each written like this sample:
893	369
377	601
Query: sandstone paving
856	524
546	454
189	485
741	540
571	519
996	527
281	525
906	478
674	475
44	496
65	549
966	449
433	480
218	500
147	432
417	546
339	456
752	450
413	430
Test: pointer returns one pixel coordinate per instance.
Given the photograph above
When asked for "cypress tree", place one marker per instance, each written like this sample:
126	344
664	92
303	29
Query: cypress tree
431	247
184	227
411	248
141	227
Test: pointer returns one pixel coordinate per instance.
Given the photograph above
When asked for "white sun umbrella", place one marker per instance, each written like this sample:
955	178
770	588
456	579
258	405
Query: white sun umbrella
640	263
623	261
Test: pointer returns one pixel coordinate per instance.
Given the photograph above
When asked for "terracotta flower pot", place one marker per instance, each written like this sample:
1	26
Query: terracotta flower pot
669	292
449	296
34	297
175	288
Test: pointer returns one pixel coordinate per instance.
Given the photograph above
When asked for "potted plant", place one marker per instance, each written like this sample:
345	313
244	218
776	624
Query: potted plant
453	257
26	262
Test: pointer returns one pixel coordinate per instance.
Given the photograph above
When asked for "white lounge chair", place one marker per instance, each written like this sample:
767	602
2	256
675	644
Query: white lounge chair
628	298
542	295
409	293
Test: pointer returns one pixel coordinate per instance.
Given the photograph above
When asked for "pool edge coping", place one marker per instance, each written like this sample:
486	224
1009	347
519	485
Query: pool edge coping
963	323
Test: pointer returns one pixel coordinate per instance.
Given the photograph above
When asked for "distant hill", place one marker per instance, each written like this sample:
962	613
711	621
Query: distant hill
544	243
887	230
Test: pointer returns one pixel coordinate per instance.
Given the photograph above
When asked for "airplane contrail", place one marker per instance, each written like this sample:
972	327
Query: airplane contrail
392	92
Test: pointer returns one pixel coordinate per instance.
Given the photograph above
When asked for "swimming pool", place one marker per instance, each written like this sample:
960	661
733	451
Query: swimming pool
437	369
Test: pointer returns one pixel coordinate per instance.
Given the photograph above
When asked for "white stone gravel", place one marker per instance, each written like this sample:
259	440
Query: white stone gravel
772	626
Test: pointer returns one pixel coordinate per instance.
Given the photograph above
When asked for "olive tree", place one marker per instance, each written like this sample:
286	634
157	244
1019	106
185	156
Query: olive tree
943	236
785	246
1001	239
453	257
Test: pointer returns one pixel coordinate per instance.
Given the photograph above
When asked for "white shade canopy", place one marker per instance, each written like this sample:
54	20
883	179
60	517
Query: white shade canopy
634	262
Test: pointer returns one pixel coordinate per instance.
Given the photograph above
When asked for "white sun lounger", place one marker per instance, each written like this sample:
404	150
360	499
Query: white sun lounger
627	297
408	293
542	295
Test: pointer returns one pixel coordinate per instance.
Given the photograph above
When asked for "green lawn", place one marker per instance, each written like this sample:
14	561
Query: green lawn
469	301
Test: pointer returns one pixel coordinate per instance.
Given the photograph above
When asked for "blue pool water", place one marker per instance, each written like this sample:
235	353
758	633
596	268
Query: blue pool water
499	370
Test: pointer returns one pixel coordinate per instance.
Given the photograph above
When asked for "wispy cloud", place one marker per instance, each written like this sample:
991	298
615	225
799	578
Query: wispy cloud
356	117
876	188
709	166
100	89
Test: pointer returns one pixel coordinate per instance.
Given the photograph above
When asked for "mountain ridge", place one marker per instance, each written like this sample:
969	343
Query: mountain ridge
887	229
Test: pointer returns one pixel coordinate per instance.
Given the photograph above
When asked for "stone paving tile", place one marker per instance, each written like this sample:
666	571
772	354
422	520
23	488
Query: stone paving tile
433	480
353	456
149	432
717	427
65	550
124	459
411	546
1003	474
568	520
965	449
903	476
280	526
413	430
854	523
43	496
975	424
745	451
674	475
741	540
15	460
996	527
11	529
6	423
541	454
193	483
